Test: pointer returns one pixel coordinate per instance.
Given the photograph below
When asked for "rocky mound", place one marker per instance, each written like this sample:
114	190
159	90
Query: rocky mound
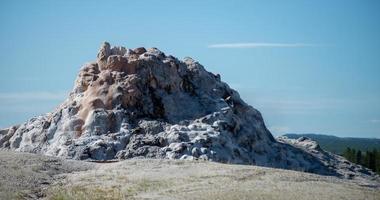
339	164
143	103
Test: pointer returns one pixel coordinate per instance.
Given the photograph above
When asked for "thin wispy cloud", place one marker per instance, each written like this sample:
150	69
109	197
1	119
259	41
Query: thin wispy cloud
279	130
375	121
38	95
262	45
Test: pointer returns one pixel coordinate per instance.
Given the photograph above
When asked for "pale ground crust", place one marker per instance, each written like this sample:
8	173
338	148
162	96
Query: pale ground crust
33	176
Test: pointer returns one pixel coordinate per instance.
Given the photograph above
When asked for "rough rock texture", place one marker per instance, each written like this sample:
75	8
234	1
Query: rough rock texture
143	103
336	163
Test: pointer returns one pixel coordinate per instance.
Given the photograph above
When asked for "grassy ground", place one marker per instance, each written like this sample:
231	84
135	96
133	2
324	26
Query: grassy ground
24	175
166	179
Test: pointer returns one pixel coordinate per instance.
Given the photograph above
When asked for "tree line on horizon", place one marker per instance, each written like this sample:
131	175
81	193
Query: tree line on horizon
368	159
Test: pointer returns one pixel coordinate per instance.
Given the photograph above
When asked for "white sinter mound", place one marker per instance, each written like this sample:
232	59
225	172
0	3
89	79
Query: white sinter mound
143	103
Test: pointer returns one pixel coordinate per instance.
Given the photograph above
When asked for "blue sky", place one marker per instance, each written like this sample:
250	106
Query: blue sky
308	66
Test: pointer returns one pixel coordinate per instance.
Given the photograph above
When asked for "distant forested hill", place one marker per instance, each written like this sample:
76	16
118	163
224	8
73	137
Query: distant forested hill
338	144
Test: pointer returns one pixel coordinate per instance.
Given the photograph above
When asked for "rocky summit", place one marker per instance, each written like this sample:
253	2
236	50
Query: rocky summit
142	103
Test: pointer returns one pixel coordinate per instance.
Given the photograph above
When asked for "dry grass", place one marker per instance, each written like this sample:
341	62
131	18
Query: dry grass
163	179
24	175
29	176
113	192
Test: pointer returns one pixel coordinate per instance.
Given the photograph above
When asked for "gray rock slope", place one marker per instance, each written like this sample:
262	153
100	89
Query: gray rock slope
143	103
339	164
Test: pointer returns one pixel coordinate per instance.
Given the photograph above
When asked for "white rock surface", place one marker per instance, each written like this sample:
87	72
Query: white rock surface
143	103
334	162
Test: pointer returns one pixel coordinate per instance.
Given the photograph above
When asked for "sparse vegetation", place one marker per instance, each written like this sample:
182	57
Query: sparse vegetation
115	189
86	193
164	179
